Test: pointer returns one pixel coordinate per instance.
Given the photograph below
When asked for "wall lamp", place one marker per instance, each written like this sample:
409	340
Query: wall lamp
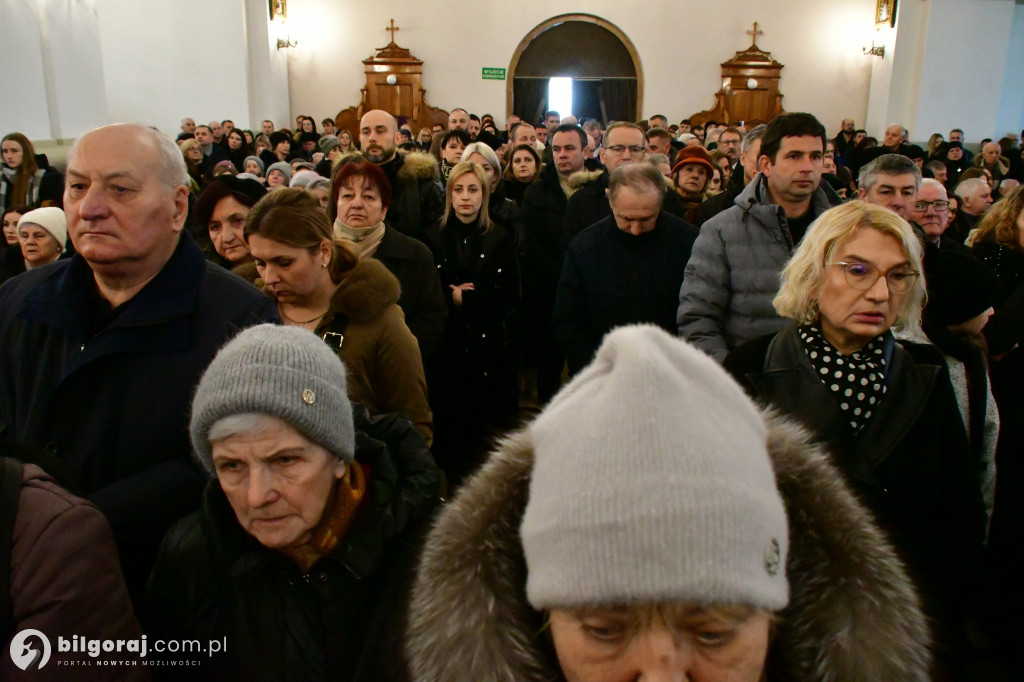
874	50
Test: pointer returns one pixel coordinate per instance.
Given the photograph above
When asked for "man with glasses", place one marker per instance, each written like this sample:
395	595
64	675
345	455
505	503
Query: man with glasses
930	215
622	143
891	181
729	144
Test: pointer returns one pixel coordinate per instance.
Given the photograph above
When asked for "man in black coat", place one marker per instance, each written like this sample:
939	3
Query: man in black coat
100	353
417	200
625	269
543	248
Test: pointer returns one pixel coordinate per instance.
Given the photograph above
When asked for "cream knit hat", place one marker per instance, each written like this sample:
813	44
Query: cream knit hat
51	219
652	483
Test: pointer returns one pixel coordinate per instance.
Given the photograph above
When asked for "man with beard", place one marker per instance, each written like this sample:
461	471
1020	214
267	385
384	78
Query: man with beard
844	139
417	200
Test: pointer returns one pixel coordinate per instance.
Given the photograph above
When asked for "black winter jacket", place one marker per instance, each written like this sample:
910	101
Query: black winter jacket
422	300
343	620
912	464
611	278
114	404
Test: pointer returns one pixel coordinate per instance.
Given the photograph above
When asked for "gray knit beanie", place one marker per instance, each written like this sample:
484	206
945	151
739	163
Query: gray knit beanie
284	167
285	372
258	160
652	483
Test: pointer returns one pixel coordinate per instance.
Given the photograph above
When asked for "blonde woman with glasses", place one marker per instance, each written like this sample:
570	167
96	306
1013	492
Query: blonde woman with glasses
885	408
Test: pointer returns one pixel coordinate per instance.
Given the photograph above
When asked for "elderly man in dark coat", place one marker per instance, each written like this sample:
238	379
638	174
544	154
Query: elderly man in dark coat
625	269
100	353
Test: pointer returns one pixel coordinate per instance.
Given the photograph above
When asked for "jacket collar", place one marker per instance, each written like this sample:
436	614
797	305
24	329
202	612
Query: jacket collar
789	382
61	300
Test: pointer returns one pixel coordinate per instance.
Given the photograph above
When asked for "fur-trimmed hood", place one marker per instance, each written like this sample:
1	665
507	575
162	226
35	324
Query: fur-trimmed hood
580	178
366	291
853	613
417	167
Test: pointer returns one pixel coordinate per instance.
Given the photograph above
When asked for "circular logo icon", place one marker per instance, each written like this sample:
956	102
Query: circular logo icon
772	557
27	652
308	397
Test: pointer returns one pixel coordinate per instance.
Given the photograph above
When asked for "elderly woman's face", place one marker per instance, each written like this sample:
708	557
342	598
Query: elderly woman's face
850	315
673	641
359	203
37	245
278	483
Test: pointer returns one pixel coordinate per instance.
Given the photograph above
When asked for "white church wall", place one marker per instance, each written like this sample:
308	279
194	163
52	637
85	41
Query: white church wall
1011	107
53	77
680	44
165	61
947	70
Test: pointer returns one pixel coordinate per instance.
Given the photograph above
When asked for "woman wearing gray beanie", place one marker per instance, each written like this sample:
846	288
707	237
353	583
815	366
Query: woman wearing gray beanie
299	561
653	523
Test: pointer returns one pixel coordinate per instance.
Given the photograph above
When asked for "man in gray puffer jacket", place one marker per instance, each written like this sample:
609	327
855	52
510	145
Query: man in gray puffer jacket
733	273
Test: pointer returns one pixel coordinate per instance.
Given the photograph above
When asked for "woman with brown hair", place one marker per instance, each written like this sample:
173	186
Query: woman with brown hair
319	284
27	179
522	169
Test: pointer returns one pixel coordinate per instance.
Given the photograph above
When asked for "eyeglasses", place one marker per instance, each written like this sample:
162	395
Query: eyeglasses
863	276
620	148
939	205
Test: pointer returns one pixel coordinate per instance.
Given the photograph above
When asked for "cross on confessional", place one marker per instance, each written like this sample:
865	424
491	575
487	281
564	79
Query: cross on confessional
755	33
392	28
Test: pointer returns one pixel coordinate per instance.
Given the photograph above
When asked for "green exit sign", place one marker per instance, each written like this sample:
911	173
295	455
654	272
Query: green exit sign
494	74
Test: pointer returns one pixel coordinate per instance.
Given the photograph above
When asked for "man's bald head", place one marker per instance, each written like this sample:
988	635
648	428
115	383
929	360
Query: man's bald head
377	135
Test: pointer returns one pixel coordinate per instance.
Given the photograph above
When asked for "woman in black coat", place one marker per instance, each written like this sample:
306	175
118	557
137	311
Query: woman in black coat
473	370
885	409
999	242
298	564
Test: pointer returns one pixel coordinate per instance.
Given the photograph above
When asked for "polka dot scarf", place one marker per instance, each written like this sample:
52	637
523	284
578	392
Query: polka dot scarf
857	381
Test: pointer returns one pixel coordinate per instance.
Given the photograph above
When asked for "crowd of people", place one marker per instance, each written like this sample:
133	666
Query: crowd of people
277	378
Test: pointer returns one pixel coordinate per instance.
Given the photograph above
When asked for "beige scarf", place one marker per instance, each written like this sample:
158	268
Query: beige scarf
364	240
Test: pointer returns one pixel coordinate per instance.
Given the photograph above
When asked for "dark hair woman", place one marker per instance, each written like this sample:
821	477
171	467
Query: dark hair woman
453	144
522	169
237	149
474	367
12	261
27	178
321	285
885	408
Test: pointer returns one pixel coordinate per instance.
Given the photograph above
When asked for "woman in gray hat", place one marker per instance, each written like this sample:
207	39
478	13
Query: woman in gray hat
652	523
297	566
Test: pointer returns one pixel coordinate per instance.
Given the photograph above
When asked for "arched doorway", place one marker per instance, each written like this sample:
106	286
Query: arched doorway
607	76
